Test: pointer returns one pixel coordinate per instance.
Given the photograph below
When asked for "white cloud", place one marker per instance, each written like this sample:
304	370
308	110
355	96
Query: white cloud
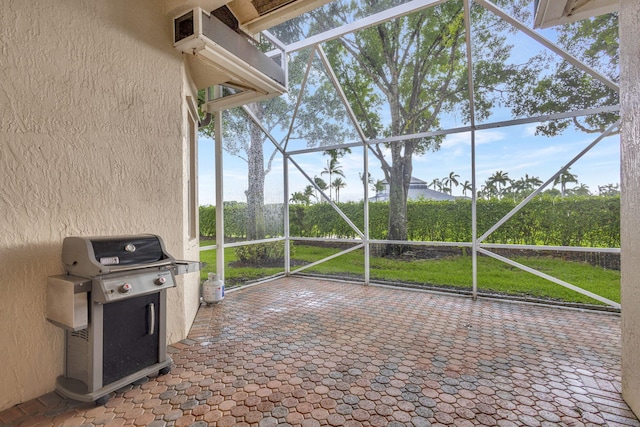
530	130
514	150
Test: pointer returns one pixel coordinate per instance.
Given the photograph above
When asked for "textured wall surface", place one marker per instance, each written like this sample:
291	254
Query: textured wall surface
630	201
92	142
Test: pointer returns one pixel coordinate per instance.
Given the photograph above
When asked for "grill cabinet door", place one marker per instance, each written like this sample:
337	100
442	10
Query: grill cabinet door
128	346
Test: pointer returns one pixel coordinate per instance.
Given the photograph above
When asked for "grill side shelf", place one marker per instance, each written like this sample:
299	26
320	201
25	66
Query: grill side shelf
67	301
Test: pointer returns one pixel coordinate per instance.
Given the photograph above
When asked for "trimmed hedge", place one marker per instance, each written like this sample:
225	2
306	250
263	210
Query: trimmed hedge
546	220
235	220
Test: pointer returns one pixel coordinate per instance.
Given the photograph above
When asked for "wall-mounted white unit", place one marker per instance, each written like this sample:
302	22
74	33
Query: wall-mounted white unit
218	55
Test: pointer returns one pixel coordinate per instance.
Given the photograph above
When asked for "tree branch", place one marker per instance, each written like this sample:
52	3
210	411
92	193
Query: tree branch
270	162
583	128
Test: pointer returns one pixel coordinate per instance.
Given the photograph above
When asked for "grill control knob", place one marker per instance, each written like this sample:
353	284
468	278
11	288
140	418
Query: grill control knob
125	289
160	281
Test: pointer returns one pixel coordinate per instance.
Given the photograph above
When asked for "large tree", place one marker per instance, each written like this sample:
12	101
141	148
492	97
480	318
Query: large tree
412	70
243	137
550	84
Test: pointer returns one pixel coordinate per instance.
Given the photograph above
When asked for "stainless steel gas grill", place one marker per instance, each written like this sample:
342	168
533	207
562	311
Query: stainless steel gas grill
112	305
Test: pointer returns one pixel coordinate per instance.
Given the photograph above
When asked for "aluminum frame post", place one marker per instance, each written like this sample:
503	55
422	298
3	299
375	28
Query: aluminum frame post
287	238
472	116
219	189
367	249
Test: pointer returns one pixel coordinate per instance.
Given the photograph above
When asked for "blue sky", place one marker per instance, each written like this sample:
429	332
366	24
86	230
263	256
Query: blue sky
515	150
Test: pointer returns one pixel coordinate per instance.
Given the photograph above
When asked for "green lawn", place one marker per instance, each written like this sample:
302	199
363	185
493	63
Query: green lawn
454	271
234	276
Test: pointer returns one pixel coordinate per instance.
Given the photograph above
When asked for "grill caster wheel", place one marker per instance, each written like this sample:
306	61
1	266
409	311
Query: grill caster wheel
103	400
165	370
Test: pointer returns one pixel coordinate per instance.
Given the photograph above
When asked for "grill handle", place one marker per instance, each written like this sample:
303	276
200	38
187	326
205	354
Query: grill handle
161	263
152	318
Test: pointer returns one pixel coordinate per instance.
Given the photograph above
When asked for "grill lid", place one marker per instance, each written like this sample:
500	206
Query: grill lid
91	256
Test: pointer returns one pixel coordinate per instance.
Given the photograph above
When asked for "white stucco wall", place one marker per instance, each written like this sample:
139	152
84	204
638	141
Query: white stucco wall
630	200
92	142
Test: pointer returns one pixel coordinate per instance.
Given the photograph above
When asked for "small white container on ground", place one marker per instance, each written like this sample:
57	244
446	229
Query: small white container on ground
212	290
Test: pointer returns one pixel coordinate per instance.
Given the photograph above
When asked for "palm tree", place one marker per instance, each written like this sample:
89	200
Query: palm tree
580	190
563	179
445	184
298	197
378	186
308	193
436	184
321	184
338	183
518	188
608	190
452	180
533	182
466	186
333	168
369	179
488	190
499	179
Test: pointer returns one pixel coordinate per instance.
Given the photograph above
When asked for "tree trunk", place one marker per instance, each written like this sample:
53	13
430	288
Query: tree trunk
255	172
399	179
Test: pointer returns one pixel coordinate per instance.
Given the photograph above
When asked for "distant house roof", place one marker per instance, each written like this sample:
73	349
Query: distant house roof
418	189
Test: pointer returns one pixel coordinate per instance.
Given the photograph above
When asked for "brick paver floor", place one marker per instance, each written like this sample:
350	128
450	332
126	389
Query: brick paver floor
307	352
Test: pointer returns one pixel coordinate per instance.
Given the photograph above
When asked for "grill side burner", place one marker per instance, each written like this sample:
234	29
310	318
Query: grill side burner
113	307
